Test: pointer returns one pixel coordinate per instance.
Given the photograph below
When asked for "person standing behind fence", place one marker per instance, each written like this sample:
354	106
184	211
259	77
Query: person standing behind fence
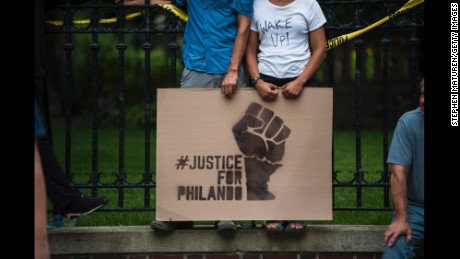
67	200
214	43
407	157
285	63
286	30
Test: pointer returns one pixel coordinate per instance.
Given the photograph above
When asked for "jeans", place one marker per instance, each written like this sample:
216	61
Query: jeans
401	250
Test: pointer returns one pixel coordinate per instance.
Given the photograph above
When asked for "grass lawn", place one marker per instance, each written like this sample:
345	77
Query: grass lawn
344	161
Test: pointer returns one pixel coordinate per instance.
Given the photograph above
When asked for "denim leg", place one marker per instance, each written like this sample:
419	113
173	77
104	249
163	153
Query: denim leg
401	250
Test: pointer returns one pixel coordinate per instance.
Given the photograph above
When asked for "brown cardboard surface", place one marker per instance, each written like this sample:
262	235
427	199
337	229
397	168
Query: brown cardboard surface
208	144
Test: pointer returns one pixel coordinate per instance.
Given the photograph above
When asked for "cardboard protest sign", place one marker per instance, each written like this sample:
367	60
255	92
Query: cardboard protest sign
243	158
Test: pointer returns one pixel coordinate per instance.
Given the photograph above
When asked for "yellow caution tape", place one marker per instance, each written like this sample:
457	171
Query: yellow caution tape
176	11
169	7
334	42
330	44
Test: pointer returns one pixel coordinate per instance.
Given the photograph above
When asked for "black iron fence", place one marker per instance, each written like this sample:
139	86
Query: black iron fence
387	58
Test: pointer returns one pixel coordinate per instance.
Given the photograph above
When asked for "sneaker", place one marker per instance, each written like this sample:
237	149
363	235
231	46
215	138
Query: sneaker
225	225
83	206
170	225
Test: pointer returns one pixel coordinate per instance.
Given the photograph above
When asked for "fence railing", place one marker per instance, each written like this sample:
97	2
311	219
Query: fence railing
394	47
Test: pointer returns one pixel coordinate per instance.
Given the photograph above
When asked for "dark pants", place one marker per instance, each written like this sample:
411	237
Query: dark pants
58	188
282	81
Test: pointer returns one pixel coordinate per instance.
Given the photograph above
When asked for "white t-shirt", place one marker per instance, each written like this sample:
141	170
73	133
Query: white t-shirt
283	34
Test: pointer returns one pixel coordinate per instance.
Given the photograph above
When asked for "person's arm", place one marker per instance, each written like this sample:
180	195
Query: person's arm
266	90
41	236
251	55
399	194
142	2
239	46
318	44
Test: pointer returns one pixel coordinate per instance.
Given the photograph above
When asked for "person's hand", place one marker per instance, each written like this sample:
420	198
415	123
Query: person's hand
229	84
292	89
267	91
394	230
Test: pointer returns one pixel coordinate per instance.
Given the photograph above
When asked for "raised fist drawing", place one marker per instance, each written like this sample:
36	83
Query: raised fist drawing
261	136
